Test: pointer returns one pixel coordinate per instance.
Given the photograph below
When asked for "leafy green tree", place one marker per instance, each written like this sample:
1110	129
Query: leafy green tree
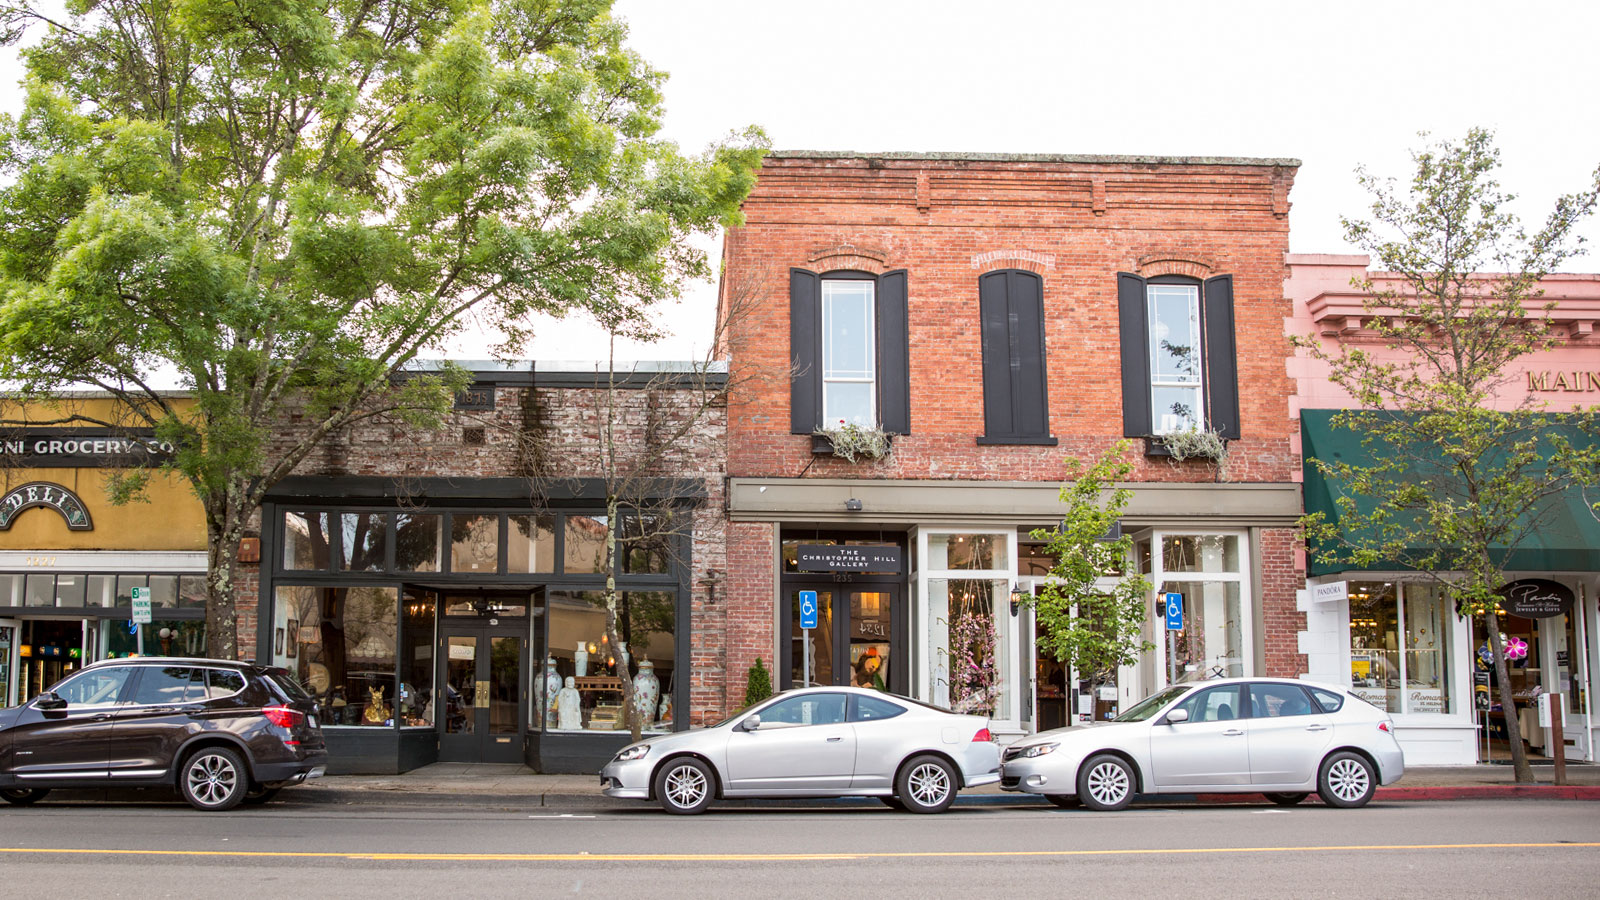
280	204
1092	610
1458	474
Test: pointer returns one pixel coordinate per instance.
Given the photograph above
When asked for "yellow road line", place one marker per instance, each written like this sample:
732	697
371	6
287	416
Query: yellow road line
768	857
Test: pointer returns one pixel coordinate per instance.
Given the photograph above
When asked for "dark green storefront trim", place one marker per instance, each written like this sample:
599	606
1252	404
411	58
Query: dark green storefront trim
1567	541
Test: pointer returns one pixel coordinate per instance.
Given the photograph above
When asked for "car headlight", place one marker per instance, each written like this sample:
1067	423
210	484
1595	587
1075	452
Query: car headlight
1039	750
632	753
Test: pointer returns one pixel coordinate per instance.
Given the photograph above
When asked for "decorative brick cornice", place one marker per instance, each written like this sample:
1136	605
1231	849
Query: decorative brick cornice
849	256
1027	260
1175	264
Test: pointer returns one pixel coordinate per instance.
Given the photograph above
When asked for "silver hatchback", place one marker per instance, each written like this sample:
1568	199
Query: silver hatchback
1276	737
814	742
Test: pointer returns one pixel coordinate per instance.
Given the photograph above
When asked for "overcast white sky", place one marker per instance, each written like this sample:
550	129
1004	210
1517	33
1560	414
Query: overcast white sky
1332	84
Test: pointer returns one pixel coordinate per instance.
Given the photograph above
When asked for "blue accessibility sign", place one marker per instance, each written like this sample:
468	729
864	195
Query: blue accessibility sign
1174	611
808	609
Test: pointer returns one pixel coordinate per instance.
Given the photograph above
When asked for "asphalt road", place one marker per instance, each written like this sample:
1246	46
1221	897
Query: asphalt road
1525	848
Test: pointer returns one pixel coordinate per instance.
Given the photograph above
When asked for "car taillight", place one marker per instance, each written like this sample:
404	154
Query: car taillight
982	735
283	716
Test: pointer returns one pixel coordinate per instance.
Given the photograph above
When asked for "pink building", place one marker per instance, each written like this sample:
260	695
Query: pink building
1386	634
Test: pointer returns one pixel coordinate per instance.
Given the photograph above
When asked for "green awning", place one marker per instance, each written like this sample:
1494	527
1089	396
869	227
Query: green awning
1568	539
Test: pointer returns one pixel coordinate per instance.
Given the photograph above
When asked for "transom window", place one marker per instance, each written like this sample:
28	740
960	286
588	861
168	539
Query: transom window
1176	385
848	357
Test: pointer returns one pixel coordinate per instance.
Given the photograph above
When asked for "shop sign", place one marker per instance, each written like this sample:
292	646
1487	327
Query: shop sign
883	559
84	447
1332	592
43	493
1536	598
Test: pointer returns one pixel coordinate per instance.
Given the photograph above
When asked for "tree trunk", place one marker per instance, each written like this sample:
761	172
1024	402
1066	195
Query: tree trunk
1508	707
630	715
224	530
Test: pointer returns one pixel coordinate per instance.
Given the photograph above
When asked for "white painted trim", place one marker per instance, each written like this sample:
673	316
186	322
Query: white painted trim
122	561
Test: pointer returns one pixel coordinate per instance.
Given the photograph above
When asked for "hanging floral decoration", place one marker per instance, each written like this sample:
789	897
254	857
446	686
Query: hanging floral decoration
974	678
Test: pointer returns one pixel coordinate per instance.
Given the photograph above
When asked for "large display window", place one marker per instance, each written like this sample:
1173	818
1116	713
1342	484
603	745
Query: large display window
969	637
579	686
340	642
1400	646
1207	572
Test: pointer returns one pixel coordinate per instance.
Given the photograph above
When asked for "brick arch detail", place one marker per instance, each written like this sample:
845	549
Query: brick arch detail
1027	260
1175	264
849	256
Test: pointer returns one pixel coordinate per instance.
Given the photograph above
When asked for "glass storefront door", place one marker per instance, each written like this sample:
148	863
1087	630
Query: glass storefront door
857	641
480	672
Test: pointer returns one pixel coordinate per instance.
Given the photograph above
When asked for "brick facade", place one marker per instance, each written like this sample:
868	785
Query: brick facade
948	219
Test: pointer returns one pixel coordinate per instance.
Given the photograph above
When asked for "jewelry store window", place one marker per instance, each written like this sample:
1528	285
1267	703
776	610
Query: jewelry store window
1400	647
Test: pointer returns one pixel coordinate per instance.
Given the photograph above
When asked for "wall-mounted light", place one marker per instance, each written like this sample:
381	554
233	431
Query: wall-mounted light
1018	597
853	505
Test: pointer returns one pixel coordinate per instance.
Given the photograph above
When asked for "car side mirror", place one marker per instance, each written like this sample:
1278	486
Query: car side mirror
1177	715
751	724
50	700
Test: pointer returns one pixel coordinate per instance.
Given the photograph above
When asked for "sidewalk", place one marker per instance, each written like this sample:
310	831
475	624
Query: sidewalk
515	786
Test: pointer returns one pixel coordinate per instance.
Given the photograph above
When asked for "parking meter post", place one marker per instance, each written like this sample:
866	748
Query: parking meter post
805	660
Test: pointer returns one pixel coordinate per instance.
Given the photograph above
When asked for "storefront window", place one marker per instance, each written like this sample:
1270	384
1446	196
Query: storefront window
340	644
969	625
580	649
585	549
364	541
416	542
163	637
1211	643
1209	553
70	589
966	551
305	541
474	543
192	592
10	590
644	544
1207	571
416	702
41	590
1399	652
531	544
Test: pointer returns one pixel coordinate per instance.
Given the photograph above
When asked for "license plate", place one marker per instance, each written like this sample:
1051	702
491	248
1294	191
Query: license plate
312	720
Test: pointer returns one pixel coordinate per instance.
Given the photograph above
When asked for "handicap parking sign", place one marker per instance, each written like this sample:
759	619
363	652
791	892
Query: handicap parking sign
1174	612
808	609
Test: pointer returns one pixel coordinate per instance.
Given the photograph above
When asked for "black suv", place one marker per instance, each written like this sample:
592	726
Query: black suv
222	733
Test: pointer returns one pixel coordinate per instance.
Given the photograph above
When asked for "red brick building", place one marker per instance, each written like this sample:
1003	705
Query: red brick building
995	314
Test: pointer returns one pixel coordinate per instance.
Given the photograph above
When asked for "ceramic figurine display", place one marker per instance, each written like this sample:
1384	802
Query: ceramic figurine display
580	660
646	690
377	711
622	657
570	716
664	716
545	690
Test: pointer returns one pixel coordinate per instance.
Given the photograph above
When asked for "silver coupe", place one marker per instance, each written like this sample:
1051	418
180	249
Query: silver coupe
1276	737
814	742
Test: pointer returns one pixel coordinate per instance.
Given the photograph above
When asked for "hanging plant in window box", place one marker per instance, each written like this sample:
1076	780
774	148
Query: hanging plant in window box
852	442
1192	443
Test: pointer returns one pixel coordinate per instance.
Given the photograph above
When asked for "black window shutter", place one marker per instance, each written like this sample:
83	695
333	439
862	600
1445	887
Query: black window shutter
1135	330
1222	363
894	355
1011	314
994	321
805	351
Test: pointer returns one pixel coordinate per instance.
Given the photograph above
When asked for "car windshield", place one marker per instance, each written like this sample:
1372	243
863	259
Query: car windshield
1152	704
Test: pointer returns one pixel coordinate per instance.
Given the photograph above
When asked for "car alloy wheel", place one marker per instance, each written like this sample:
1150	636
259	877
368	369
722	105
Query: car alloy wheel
1105	783
1346	781
926	784
684	786
1288	799
23	796
214	779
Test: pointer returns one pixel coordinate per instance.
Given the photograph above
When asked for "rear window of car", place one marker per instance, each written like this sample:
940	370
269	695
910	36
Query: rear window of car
871	709
224	682
1328	700
287	685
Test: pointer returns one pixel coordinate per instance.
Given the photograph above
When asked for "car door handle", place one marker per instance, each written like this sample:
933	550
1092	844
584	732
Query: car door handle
1233	732
1316	728
99	717
835	739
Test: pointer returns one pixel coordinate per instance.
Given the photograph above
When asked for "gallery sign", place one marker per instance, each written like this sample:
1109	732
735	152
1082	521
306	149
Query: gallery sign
1536	598
883	559
43	493
83	447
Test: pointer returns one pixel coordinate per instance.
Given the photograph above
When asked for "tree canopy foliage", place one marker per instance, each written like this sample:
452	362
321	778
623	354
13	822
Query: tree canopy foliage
280	204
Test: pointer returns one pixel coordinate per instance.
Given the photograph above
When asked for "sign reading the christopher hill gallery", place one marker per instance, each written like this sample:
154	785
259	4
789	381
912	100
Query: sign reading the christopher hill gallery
884	559
83	447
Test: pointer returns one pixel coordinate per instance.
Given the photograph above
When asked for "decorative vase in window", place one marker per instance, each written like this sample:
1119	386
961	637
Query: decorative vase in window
580	660
646	690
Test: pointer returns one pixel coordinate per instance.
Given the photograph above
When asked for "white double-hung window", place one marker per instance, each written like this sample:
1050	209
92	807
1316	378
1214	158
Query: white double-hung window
849	364
1176	364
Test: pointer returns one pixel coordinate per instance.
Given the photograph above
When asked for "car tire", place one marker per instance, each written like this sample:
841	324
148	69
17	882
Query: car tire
1346	780
892	802
1106	783
1289	799
260	794
1065	801
685	786
926	784
23	796
214	779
